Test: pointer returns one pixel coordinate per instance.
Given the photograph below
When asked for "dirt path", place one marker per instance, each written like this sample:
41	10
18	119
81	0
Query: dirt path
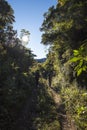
25	120
65	123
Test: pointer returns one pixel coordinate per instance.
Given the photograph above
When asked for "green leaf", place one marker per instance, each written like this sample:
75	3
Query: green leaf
77	68
75	59
84	68
85	58
76	52
80	63
79	71
25	74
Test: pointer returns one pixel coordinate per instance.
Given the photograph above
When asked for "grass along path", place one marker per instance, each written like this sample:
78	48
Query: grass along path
64	120
43	110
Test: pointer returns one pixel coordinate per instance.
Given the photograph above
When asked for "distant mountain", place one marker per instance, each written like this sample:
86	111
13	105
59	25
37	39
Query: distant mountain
41	60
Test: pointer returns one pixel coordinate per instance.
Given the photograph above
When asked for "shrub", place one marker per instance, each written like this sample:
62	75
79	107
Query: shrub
75	101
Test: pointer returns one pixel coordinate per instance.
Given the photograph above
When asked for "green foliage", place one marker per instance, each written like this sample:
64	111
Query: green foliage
64	27
75	101
51	126
6	19
48	71
80	58
6	14
16	82
47	116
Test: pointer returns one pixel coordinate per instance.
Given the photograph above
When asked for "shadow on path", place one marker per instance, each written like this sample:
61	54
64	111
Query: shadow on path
39	112
65	122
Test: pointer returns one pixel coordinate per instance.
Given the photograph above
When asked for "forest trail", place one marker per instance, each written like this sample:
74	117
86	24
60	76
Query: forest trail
63	118
28	113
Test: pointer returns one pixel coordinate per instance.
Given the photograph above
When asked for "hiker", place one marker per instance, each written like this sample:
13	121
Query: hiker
49	80
37	77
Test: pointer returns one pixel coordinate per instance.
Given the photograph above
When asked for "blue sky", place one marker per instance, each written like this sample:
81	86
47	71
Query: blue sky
29	16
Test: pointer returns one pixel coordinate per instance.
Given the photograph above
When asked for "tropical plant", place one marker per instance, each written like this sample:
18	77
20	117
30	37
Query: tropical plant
80	58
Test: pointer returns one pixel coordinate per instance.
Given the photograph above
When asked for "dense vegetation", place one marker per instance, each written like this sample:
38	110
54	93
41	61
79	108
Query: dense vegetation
65	30
15	62
25	81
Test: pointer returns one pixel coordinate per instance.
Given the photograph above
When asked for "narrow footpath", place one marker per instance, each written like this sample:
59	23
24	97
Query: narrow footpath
65	123
28	113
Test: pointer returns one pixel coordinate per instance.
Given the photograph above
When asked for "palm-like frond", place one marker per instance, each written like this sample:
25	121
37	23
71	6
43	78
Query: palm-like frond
6	13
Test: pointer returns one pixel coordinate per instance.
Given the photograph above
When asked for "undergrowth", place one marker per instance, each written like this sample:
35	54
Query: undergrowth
75	100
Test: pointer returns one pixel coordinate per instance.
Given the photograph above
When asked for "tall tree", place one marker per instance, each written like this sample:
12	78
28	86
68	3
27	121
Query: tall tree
6	14
65	29
6	18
